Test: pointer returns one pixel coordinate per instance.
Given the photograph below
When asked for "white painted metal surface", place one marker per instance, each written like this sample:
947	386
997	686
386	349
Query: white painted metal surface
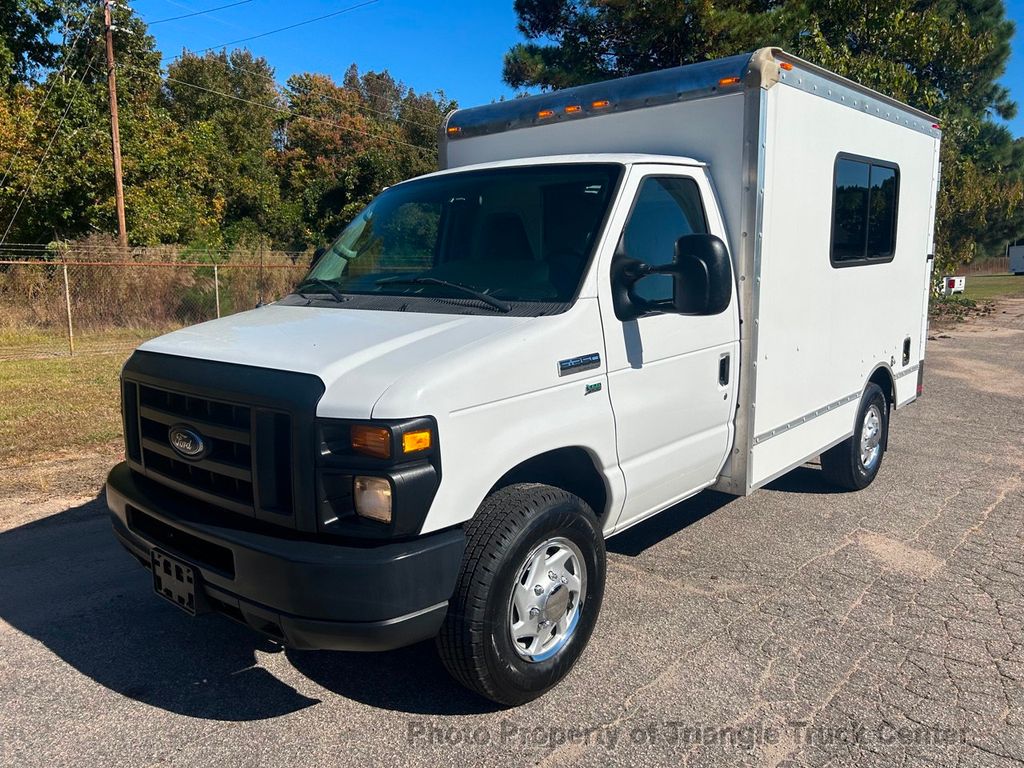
1016	254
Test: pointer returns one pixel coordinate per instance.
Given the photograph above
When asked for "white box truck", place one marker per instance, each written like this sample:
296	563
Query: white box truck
1016	254
610	298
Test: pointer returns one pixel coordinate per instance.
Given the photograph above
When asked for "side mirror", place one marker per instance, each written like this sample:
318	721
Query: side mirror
701	280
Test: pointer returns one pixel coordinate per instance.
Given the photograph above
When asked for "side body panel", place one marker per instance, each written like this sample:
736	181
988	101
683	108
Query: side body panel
821	330
673	417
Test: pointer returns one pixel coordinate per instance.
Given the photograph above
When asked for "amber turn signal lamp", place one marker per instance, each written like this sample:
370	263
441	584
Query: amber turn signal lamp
371	441
420	440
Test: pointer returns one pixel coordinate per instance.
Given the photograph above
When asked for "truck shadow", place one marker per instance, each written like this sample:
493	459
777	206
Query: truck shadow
69	585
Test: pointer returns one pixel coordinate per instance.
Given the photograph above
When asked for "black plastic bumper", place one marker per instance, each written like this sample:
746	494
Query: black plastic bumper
303	593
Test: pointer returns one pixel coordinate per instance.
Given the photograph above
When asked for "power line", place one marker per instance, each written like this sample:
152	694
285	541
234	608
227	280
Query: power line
198	13
67	49
46	151
378	94
291	26
285	86
280	110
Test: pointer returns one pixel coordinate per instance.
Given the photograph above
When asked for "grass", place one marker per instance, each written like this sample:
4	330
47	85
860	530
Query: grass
18	342
50	405
991	287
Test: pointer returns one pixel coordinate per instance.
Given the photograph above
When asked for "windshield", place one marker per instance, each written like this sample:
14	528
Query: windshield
510	234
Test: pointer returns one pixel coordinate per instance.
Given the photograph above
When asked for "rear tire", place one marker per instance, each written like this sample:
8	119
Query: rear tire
528	594
854	463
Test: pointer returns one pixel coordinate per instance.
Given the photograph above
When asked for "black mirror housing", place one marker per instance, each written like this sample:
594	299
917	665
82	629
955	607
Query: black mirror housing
701	276
701	280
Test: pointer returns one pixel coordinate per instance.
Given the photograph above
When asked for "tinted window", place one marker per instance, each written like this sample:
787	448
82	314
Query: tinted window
882	213
665	210
518	234
864	211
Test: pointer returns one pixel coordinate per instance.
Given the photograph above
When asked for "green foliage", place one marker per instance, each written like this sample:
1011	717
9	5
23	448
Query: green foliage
215	152
25	39
941	56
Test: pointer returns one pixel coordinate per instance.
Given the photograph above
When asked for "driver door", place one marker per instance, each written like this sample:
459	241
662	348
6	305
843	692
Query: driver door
671	378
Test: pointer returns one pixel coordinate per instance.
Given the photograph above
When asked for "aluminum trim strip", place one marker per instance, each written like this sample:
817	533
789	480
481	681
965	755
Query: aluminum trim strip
804	79
765	436
907	371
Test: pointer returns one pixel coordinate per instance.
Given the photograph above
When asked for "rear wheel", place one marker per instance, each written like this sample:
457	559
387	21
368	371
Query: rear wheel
855	462
528	594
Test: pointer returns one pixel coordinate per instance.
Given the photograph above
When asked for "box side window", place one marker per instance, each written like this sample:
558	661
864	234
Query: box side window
864	206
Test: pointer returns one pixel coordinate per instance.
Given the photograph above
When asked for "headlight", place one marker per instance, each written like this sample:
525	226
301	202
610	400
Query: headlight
372	498
376	479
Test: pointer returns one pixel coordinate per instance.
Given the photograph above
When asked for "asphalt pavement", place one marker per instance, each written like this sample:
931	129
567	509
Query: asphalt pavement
798	626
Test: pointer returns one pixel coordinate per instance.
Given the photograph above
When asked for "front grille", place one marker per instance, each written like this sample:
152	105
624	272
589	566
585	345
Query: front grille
256	427
225	471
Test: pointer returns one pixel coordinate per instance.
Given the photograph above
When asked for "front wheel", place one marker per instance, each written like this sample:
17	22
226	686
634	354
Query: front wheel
528	594
855	462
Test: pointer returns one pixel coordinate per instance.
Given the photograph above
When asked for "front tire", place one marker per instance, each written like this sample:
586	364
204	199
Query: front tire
854	463
528	594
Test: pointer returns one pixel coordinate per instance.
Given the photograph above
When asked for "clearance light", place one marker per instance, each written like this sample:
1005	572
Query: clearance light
372	498
573	109
371	441
600	104
419	440
454	130
785	65
728	81
544	114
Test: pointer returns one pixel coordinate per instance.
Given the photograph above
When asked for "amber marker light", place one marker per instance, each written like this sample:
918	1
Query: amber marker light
600	104
785	65
419	440
544	114
454	130
371	441
572	109
728	81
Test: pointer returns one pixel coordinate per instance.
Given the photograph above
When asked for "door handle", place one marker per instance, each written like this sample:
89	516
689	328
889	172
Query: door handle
723	370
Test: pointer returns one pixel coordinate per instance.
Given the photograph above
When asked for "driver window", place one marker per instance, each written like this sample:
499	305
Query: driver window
666	208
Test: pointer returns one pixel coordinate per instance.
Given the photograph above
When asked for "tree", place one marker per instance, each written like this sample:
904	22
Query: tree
26	39
941	56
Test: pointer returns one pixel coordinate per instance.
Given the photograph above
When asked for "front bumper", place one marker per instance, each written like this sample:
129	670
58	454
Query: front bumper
301	592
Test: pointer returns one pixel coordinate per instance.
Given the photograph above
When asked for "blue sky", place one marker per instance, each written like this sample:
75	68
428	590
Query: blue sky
456	45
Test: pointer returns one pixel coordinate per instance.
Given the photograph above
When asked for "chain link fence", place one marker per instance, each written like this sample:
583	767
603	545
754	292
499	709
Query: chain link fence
88	302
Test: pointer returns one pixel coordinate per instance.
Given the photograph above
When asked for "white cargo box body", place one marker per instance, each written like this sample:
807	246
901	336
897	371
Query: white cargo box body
1016	253
771	128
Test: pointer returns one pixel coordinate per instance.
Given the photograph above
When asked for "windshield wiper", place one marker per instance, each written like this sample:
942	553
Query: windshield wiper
335	293
490	301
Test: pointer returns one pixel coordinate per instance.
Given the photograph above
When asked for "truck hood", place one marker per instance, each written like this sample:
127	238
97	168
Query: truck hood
358	354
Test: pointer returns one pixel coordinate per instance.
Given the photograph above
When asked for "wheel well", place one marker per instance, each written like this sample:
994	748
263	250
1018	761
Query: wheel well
570	469
885	382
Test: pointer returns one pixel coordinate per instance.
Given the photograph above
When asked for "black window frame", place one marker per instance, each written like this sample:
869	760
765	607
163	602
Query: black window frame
864	260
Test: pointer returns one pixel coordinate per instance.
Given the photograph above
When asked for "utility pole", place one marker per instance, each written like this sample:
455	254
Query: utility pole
115	131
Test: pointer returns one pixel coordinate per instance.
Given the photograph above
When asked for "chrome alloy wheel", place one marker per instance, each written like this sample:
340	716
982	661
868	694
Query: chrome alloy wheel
547	599
871	438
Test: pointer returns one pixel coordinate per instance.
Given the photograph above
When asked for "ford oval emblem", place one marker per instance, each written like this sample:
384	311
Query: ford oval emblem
186	441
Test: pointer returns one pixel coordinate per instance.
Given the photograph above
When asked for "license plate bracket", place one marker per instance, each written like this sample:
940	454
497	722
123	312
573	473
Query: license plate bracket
176	582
